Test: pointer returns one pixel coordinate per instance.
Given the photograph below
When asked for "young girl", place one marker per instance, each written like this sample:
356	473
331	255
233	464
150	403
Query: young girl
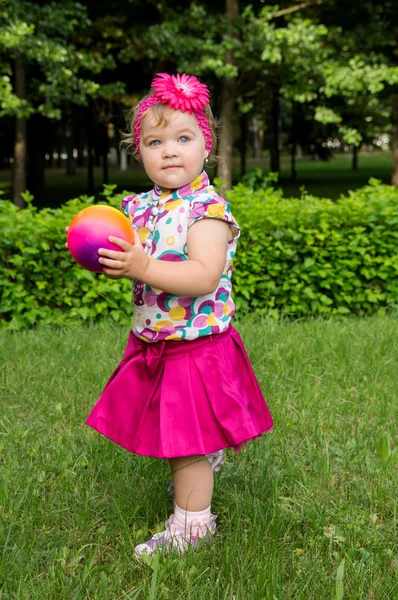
185	388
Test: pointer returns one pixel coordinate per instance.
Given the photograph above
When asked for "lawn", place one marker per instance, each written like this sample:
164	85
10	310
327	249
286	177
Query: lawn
327	179
308	512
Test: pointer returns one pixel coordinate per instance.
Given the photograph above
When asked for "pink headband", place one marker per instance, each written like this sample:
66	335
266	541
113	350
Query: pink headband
179	92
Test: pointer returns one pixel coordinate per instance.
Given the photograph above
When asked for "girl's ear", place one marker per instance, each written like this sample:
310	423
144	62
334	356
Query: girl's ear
206	154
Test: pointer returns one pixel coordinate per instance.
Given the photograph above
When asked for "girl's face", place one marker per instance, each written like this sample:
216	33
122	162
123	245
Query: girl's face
173	154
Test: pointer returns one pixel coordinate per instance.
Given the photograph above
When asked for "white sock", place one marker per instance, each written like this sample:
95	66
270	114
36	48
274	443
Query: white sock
192	523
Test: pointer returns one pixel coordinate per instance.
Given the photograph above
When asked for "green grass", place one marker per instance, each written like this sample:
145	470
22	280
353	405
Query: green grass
306	510
336	177
326	179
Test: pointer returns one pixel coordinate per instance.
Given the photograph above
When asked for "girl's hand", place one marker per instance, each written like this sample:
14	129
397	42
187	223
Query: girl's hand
66	243
131	263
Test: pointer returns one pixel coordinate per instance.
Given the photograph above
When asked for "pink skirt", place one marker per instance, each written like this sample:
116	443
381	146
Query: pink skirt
170	399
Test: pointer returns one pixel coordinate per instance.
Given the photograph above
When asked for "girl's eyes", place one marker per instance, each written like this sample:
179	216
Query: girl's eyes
184	139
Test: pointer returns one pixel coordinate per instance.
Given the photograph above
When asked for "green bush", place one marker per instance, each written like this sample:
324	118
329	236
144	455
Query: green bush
298	257
312	256
40	281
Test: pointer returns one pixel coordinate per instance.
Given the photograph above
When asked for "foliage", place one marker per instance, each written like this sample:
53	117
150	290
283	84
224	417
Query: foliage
196	40
321	64
313	256
300	51
337	62
308	57
256	179
300	257
60	70
40	281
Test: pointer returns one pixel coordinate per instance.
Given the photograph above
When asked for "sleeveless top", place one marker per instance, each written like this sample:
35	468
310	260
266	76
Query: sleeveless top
163	218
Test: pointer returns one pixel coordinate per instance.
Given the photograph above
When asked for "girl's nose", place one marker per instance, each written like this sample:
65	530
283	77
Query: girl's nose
169	149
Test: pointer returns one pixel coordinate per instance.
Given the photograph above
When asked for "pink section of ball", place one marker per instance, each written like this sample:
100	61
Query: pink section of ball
84	245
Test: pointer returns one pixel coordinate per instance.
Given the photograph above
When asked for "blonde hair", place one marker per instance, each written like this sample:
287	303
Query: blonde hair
161	113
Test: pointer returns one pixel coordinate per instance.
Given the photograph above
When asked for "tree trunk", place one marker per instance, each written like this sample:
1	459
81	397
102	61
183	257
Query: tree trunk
293	150
80	157
59	159
105	170
90	161
394	142
69	144
225	150
355	158
97	153
123	158
256	139
36	142
243	143
19	165
104	151
293	153
273	127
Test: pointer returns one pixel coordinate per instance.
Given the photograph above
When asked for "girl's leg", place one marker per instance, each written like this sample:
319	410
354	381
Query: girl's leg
192	519
216	461
193	481
193	484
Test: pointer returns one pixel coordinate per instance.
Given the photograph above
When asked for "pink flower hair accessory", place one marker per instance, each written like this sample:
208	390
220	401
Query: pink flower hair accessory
180	92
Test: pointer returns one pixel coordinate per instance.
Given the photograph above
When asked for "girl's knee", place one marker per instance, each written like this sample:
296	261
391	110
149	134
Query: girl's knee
181	462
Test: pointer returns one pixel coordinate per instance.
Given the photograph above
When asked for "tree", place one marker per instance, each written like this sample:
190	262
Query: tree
365	68
204	41
228	99
37	38
208	40
228	46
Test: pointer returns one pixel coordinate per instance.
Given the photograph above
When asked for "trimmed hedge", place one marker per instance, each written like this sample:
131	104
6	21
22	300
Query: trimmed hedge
299	257
40	281
314	256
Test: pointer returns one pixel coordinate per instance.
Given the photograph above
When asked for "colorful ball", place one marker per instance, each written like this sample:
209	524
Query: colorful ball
89	231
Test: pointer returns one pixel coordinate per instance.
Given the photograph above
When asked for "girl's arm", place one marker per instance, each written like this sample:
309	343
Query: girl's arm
198	276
